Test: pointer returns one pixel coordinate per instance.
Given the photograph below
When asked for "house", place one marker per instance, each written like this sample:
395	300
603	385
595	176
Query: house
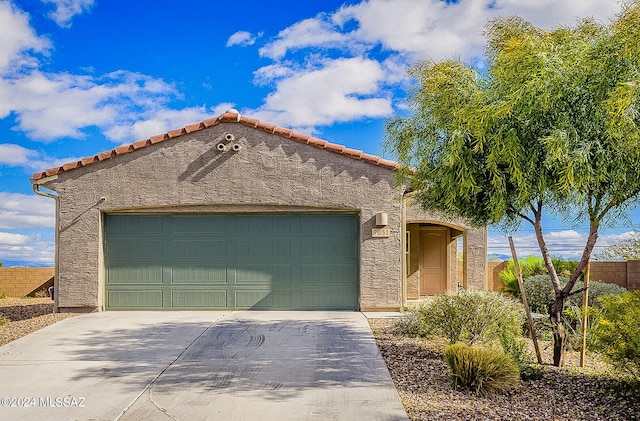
234	213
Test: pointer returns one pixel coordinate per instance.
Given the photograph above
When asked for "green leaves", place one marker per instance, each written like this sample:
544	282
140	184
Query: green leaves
555	117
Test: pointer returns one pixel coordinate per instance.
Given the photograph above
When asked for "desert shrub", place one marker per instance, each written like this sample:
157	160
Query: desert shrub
597	289
481	370
540	292
465	316
618	333
572	317
3	321
409	323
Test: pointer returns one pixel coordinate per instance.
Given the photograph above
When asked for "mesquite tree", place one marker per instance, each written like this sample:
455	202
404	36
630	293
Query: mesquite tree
550	124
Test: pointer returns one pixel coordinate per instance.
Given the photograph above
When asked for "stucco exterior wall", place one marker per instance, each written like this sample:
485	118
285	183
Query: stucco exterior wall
188	173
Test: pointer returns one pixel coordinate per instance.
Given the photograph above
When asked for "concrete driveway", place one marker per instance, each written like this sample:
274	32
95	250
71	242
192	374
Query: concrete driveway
199	366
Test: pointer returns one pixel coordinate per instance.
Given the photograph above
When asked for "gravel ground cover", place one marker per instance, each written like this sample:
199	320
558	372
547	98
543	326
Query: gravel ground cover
21	316
424	384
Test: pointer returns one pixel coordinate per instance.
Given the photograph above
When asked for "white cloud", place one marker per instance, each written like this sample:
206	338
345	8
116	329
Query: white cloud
314	32
9	239
340	90
425	29
566	243
267	74
309	92
18	156
65	10
29	250
19	211
122	104
11	154
316	88
158	121
242	38
17	38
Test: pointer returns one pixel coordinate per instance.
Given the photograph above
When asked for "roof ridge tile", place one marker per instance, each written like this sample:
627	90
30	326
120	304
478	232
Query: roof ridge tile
227	117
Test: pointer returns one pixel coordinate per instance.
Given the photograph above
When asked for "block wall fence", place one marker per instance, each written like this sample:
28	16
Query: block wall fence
626	274
21	281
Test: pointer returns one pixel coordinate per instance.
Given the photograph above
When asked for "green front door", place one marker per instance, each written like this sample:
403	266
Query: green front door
231	261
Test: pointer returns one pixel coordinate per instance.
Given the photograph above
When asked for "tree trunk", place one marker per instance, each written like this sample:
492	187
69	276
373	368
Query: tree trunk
559	333
556	309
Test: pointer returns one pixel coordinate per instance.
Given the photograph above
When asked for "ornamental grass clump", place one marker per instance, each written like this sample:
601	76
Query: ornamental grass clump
481	370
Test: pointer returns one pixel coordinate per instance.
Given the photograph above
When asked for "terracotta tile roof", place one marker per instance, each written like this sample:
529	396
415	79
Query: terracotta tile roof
227	117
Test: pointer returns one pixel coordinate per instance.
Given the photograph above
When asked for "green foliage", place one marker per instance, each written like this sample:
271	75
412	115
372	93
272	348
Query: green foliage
626	249
529	266
551	123
3	321
618	333
573	322
597	289
552	118
481	370
518	349
464	316
564	267
409	323
540	292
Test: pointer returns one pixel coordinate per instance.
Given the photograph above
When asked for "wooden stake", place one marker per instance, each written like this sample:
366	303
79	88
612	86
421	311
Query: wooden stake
532	329
585	306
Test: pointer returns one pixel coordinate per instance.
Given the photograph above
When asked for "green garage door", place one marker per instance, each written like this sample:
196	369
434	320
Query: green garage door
231	261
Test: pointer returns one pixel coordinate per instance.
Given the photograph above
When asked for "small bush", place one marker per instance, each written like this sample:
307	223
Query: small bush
409	324
572	317
481	370
618	333
3	321
540	293
597	289
465	316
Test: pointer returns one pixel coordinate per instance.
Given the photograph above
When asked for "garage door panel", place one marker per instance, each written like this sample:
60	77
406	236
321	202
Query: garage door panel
135	249
192	249
133	224
263	274
264	299
199	224
244	261
337	274
328	248
327	224
199	275
135	274
198	299
267	224
134	299
264	248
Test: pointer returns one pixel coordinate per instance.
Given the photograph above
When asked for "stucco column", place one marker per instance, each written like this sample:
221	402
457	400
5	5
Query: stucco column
475	262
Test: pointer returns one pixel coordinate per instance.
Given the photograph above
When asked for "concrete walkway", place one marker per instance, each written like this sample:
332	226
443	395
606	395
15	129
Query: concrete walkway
199	366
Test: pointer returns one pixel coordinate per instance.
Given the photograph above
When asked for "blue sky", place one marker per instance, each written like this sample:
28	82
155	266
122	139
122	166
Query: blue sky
81	76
